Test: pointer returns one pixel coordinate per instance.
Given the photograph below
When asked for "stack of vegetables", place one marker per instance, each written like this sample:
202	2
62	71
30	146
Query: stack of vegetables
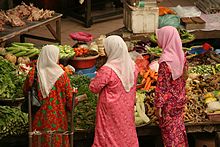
66	51
10	82
149	79
140	116
85	111
21	52
13	121
205	69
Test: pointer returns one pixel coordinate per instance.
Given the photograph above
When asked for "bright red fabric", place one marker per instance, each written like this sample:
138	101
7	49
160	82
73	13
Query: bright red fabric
52	115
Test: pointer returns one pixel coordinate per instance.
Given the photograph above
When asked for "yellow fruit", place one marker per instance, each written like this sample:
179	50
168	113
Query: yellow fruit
207	95
210	99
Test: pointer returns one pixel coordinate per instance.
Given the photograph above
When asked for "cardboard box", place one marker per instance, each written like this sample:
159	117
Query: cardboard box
141	20
192	23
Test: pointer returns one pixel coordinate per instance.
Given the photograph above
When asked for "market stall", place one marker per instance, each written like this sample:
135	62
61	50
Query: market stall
203	85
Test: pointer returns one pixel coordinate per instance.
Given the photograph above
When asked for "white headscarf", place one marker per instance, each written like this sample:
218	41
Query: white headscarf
48	70
119	60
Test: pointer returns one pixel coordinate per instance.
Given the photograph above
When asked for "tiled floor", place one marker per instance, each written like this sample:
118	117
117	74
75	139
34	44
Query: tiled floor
70	25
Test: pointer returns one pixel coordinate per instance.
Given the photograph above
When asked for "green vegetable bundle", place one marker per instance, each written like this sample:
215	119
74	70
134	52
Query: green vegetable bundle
23	49
10	82
13	121
85	111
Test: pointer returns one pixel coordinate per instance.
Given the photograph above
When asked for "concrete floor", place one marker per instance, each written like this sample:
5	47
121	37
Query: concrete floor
71	25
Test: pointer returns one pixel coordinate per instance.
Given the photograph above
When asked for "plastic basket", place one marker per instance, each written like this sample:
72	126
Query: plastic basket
83	62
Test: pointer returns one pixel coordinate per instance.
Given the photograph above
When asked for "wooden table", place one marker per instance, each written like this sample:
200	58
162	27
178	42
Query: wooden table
11	32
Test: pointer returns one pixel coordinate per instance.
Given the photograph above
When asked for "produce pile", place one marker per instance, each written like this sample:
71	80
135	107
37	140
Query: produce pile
85	111
66	51
11	83
21	52
85	52
13	121
149	105
204	59
139	110
197	86
149	79
16	17
205	69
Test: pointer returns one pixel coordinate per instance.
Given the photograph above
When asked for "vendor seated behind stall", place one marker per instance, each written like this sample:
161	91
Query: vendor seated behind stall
116	84
54	93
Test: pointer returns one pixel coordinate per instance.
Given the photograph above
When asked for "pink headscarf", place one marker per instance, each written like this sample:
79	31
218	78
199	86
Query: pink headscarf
169	40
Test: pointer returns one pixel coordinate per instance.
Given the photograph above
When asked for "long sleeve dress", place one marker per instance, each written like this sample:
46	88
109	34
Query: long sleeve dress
115	124
52	114
170	97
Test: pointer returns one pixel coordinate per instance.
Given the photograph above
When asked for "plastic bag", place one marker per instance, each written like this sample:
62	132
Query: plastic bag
213	106
169	20
190	11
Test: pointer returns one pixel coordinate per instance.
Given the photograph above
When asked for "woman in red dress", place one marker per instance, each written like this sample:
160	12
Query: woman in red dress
170	91
54	93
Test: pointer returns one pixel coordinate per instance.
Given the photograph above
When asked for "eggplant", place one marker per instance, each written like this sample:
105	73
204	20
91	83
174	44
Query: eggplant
139	49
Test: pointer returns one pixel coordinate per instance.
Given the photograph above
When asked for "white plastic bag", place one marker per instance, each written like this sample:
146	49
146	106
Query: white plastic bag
213	106
191	11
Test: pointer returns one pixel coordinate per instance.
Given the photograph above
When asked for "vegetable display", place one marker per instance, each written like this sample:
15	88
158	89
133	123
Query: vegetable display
13	121
85	111
23	49
66	51
149	79
157	51
140	116
85	52
10	82
205	69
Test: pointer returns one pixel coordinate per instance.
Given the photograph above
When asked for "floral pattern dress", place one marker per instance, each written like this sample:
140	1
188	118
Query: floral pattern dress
170	97
52	114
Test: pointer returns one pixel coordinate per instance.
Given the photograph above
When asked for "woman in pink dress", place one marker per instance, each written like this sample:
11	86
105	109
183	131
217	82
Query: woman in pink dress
115	83
170	91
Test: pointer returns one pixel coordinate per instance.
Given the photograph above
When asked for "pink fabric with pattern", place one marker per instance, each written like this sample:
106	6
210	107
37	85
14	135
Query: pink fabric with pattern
115	124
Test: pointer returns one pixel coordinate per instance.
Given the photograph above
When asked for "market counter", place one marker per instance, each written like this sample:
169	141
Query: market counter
11	32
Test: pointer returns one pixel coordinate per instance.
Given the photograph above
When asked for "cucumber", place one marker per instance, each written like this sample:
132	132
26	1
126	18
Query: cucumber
14	51
29	45
31	52
20	53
